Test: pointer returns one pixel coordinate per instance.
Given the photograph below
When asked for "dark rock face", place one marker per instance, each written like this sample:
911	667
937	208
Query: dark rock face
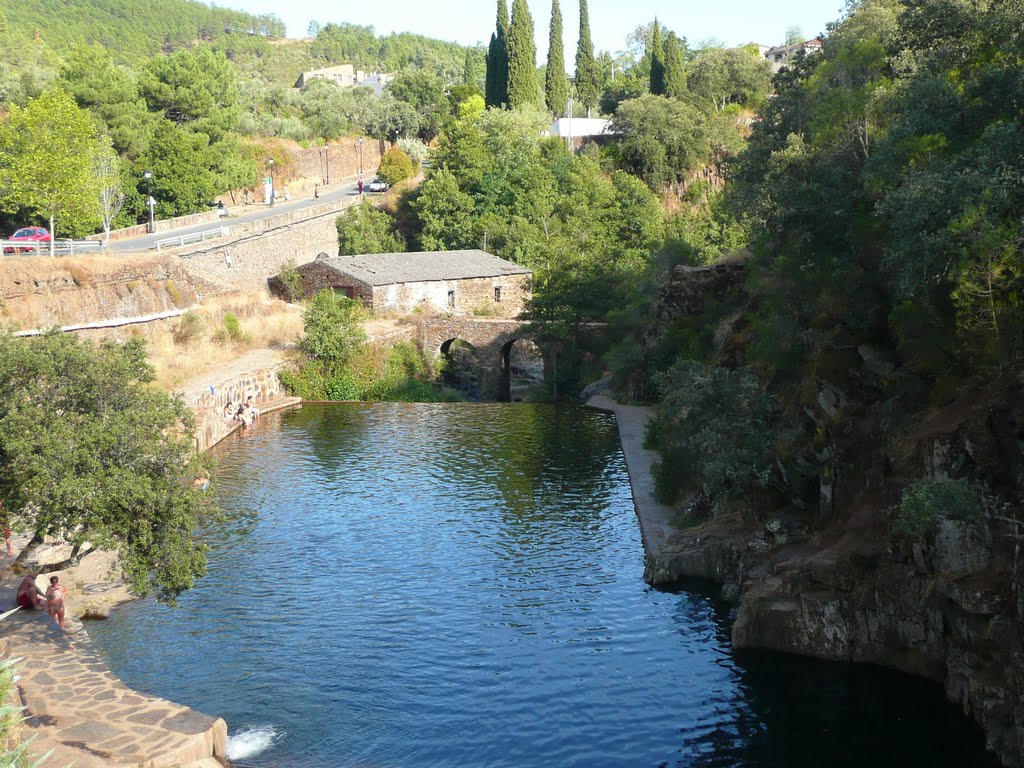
838	583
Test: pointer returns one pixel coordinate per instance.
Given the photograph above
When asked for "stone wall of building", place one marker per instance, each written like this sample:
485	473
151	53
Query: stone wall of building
316	276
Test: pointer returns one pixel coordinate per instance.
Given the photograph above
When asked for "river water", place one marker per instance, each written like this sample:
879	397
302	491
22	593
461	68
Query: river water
461	585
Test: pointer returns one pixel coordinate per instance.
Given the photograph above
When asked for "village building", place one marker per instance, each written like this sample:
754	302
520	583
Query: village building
781	55
346	76
458	283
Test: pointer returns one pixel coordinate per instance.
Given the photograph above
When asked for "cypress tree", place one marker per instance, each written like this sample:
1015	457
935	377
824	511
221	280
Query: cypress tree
496	80
556	86
588	77
490	75
675	69
522	58
657	61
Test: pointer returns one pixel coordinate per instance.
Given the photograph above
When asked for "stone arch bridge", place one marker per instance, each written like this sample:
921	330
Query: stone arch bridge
492	338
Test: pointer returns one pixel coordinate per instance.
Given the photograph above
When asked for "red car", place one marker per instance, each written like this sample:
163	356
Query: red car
28	235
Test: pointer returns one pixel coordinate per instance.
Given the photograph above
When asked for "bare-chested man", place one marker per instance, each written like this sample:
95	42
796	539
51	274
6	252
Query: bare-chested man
30	596
55	595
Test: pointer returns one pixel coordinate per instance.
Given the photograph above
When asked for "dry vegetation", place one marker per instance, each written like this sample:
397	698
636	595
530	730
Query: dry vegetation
220	330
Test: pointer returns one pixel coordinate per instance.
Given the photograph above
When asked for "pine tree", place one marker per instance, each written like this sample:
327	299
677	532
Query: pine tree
588	77
556	87
675	69
657	61
522	58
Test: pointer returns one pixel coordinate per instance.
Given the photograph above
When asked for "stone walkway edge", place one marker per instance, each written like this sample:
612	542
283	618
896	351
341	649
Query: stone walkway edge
655	518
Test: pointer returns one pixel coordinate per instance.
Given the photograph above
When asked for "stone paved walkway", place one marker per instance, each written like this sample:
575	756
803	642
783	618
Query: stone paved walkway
78	708
655	518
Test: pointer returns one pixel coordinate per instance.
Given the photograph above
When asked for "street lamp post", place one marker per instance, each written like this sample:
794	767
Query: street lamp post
150	201
270	162
360	155
327	162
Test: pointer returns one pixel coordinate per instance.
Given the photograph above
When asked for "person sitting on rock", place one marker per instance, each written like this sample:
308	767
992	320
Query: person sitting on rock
229	411
30	597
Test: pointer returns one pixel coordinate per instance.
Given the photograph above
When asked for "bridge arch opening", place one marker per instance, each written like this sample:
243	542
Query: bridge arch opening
460	367
522	370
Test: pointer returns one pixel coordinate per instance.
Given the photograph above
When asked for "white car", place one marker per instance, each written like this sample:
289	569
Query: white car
378	185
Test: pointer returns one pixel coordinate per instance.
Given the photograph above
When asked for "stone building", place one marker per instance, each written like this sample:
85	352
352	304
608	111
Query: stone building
458	283
344	75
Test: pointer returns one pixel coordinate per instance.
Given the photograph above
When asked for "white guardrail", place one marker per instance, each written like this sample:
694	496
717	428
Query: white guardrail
60	247
195	237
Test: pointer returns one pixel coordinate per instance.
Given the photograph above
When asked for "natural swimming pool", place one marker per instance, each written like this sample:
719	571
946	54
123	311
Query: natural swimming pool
461	585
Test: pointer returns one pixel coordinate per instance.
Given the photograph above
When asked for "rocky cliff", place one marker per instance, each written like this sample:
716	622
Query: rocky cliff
835	580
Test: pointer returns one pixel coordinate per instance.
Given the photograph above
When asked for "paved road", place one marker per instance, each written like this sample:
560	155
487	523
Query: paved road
244	214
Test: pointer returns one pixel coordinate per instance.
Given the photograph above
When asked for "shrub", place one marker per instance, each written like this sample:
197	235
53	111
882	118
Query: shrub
930	500
232	330
395	166
189	327
292	281
713	430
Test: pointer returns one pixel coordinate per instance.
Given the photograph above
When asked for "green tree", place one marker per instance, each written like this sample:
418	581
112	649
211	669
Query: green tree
496	94
675	67
333	332
657	55
196	88
111	93
661	140
425	93
364	229
446	214
184	170
556	86
722	76
588	75
395	166
93	455
522	58
47	151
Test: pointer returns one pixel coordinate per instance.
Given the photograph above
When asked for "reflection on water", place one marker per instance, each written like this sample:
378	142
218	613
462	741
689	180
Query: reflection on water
461	585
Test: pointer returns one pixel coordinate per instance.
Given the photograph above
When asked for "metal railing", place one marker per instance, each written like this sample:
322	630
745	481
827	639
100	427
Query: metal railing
195	237
61	247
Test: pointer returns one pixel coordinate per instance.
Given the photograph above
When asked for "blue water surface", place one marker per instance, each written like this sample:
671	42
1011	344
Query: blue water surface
461	585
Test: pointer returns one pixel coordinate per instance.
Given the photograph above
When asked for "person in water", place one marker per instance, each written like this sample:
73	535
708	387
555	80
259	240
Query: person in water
30	597
55	595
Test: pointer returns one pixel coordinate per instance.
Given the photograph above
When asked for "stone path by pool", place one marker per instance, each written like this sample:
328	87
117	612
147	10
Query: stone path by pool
77	707
655	517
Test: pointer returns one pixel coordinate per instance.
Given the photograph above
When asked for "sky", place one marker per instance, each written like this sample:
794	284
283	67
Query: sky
731	22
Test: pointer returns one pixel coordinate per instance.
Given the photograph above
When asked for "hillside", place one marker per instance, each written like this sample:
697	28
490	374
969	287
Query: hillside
135	29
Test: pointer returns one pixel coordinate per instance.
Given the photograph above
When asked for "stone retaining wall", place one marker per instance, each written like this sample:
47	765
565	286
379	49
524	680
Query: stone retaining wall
256	250
262	385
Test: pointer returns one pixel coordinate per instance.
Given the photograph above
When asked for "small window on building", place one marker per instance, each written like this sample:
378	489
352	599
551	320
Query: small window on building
497	293
451	298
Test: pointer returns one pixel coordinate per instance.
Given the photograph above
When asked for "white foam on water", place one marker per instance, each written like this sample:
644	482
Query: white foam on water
251	742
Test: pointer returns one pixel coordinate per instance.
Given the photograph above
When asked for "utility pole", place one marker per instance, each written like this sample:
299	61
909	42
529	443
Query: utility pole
327	162
360	155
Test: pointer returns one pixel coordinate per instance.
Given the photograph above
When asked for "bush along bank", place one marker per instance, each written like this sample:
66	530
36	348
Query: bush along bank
336	362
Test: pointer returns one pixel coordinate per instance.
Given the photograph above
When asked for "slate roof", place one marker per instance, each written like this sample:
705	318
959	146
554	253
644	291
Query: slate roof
428	266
